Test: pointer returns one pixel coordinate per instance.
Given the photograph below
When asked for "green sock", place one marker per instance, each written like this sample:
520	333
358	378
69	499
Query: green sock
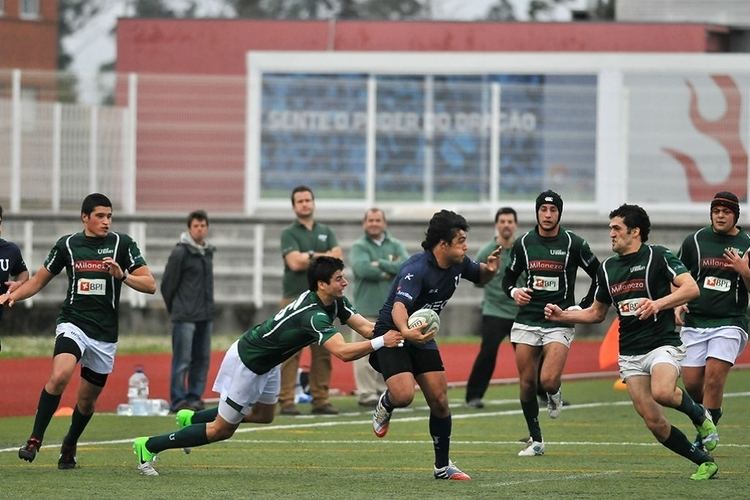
691	408
716	414
205	416
189	437
47	406
531	414
77	425
678	443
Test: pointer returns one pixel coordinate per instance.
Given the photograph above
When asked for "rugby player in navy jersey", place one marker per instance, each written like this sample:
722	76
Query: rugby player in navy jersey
425	281
11	266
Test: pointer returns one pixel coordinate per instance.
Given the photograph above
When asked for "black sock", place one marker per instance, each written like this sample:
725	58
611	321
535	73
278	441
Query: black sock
47	407
678	443
77	425
691	408
716	414
531	414
440	430
189	437
205	416
387	401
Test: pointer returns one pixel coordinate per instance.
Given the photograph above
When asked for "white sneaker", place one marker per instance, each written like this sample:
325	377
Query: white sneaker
380	418
554	404
147	469
533	449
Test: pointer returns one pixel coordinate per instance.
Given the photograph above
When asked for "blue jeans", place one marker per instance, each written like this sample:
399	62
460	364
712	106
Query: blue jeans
191	355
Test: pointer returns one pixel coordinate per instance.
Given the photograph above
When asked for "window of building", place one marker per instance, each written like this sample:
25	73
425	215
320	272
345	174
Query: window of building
29	9
2	7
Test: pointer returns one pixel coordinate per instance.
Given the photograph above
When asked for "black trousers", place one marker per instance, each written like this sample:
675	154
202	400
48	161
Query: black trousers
494	330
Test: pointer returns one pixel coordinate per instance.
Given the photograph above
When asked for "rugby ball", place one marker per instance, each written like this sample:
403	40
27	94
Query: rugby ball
423	317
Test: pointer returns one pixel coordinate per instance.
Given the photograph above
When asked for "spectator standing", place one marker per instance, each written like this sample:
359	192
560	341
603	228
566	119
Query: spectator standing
301	242
188	291
498	310
375	259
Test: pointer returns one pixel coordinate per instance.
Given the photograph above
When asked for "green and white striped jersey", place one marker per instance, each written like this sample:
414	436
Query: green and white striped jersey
723	299
304	321
93	297
625	280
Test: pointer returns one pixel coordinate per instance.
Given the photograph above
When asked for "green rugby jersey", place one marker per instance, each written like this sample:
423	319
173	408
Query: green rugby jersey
93	297
551	265
625	280
723	298
304	321
297	237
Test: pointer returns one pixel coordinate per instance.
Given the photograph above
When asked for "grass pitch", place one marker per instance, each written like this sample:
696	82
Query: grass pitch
598	448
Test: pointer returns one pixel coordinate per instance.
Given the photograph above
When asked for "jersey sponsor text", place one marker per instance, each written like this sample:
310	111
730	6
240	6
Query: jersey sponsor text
715	262
627	307
92	287
548	283
82	266
627	287
546	265
717	284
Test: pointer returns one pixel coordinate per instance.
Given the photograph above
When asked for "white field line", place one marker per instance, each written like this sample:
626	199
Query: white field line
569	477
360	421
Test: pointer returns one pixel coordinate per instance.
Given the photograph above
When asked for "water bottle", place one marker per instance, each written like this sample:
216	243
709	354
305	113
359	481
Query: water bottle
138	392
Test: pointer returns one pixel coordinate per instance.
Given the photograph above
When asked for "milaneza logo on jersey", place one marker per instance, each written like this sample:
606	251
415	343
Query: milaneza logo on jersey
715	263
546	265
629	286
83	266
717	284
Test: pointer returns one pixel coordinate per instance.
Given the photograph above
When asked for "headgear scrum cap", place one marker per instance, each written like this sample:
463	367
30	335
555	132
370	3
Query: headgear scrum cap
728	200
551	197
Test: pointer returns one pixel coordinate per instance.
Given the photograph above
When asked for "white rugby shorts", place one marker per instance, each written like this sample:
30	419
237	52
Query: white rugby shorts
724	342
540	336
243	386
642	364
96	355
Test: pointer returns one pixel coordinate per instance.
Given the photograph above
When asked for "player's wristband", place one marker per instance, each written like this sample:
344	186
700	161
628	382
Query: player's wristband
513	293
377	343
125	275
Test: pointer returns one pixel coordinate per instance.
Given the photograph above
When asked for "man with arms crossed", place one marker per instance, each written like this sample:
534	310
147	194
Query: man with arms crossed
551	256
97	261
375	258
715	324
249	376
644	283
425	281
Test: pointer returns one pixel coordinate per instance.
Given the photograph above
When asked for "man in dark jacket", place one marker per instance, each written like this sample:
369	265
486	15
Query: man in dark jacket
188	290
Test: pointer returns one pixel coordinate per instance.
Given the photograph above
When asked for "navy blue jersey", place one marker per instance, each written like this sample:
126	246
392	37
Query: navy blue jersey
11	264
422	284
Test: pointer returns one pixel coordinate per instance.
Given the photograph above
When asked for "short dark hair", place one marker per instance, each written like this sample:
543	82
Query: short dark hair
199	215
633	216
443	227
301	189
322	269
94	200
373	209
506	210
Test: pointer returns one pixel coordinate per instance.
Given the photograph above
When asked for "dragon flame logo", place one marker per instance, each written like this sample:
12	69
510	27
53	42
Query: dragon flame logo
726	131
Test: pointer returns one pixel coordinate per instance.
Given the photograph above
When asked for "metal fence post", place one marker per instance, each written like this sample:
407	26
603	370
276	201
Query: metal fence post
15	145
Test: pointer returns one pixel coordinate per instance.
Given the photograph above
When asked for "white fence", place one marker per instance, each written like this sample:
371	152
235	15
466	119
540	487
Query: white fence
409	132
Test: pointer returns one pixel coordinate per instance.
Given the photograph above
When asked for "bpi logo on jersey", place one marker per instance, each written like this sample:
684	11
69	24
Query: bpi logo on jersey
92	287
548	283
627	307
716	283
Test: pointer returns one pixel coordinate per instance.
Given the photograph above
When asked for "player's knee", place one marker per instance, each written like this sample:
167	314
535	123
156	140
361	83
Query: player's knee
663	396
401	399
